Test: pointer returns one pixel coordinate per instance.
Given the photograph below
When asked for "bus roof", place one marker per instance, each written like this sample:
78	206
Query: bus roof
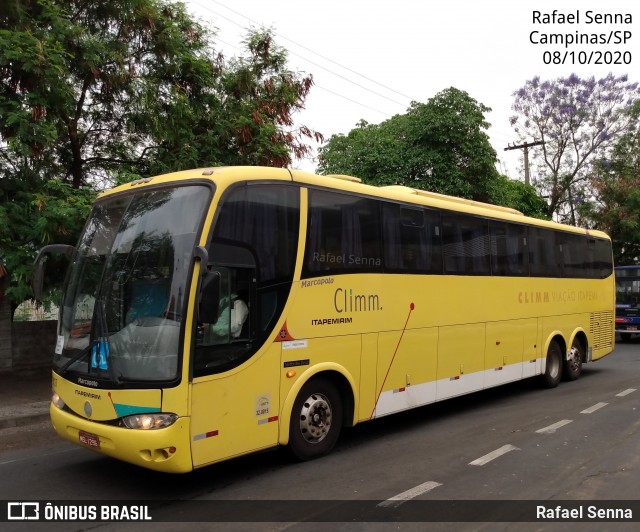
226	175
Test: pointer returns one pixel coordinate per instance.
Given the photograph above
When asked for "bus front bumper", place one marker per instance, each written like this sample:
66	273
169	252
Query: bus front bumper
167	449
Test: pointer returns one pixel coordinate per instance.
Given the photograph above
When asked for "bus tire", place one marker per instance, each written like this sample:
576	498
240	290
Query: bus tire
316	420
553	371
573	364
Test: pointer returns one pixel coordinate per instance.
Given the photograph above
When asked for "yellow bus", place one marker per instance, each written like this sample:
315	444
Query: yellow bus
216	312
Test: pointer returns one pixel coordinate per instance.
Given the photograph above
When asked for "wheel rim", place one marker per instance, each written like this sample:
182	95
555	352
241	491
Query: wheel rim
315	418
575	358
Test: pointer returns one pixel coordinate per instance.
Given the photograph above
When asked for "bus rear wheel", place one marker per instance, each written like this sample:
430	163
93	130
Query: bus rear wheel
573	365
553	371
316	420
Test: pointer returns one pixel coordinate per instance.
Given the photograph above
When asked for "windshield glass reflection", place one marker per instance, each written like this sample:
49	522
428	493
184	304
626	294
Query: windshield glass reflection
124	297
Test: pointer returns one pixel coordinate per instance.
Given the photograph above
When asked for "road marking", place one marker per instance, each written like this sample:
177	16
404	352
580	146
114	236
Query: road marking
403	497
593	408
626	392
493	455
7	462
552	428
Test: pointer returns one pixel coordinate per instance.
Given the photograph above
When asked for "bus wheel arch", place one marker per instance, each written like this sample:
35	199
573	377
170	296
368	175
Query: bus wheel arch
554	362
576	357
322	393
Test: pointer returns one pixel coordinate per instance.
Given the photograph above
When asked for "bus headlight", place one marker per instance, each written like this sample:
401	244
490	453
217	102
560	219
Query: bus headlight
57	400
149	421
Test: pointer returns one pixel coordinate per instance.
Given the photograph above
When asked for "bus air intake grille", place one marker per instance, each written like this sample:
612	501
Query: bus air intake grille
601	326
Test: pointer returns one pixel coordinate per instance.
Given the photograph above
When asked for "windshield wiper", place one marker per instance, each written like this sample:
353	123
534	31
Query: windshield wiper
99	349
75	358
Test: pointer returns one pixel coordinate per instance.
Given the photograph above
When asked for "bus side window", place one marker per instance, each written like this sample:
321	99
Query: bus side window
465	241
343	234
544	253
411	239
233	316
254	243
509	249
602	259
575	262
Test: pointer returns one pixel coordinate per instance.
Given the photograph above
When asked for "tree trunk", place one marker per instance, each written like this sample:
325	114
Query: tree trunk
77	177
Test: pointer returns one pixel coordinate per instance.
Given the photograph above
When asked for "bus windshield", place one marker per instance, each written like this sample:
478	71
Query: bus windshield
628	287
124	297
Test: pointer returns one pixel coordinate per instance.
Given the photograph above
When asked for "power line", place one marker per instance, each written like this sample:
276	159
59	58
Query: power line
242	26
312	62
315	84
319	55
354	101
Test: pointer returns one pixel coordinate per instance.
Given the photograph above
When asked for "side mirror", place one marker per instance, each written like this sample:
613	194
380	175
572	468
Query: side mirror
37	282
209	297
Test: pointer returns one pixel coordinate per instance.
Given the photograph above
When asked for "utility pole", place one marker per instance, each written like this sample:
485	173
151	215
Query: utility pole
525	147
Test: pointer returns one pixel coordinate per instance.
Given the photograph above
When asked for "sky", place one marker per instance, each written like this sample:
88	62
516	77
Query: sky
370	59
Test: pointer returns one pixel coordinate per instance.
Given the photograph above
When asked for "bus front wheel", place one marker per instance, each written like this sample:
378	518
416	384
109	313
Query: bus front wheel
316	420
573	365
553	371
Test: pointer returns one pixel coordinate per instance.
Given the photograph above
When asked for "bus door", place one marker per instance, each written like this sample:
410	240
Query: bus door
236	365
235	384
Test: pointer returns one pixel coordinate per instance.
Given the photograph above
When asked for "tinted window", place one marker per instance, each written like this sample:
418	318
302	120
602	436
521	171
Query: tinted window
544	256
265	219
465	241
411	239
343	234
253	251
601	258
575	260
509	249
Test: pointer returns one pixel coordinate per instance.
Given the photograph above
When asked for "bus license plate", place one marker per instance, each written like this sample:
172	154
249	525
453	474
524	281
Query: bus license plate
632	327
91	440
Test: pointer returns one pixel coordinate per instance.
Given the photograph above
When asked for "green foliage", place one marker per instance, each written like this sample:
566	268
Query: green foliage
520	196
261	97
439	146
371	152
30	219
451	150
100	93
615	207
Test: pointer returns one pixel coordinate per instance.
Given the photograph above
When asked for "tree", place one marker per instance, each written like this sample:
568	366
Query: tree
29	219
450	147
369	151
246	119
578	120
615	207
518	195
261	97
102	92
439	146
72	74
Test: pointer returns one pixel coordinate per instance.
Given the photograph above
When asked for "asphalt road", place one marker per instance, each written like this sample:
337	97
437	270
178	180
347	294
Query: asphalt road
577	442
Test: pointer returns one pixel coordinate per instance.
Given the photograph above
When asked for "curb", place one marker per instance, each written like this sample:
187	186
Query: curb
24	415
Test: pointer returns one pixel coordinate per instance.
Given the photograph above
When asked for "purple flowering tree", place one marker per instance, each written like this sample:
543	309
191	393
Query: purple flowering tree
578	120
